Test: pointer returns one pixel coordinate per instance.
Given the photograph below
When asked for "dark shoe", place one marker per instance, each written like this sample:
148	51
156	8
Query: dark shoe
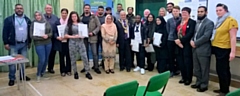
195	86
11	82
93	67
177	73
171	74
181	81
128	70
107	72
202	89
216	91
222	94
27	78
121	69
187	83
69	73
97	71
76	76
51	71
112	71
88	75
63	74
83	70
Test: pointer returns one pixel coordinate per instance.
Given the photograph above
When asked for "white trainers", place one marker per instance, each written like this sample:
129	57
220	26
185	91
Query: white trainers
45	77
136	69
142	71
38	78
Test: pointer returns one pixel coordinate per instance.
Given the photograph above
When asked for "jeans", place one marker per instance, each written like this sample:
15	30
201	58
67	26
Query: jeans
94	52
43	52
19	48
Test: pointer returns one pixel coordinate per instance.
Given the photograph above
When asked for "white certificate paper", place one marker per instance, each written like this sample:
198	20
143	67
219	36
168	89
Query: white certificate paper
138	37
38	29
135	45
157	39
61	30
149	49
83	30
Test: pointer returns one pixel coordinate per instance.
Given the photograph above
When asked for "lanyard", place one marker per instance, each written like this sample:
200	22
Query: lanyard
20	23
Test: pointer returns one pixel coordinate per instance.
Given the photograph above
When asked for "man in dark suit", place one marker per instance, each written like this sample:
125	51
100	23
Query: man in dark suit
138	29
123	42
202	49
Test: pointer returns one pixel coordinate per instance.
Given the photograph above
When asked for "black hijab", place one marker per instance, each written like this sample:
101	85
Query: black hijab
162	26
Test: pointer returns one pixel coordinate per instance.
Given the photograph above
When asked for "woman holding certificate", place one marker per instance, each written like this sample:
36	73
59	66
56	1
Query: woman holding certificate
41	33
184	32
109	35
161	49
76	44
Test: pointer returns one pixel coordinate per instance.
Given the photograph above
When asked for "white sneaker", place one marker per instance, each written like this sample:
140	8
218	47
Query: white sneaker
38	78
136	69
142	71
45	77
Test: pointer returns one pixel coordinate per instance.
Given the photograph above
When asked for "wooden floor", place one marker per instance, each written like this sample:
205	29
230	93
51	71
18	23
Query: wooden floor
68	86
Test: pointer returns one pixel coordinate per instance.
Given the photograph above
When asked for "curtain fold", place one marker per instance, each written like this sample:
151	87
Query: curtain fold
30	6
115	2
78	6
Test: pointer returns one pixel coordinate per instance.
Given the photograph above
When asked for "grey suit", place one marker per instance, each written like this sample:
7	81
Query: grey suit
202	52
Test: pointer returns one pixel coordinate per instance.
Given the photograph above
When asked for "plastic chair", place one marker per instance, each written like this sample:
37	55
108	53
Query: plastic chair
234	93
126	89
155	83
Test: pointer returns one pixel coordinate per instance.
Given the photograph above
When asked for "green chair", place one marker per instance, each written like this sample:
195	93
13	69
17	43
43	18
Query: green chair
126	89
234	93
155	83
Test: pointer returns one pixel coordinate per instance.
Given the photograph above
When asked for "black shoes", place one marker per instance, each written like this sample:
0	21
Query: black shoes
195	86
76	76
181	81
216	91
88	75
27	78
128	70
121	69
83	70
187	83
11	82
63	74
202	89
51	71
97	71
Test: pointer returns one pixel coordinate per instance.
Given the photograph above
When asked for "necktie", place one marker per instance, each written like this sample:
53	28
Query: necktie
137	30
126	34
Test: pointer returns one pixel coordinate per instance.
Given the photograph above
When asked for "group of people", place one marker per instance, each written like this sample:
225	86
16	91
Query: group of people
186	45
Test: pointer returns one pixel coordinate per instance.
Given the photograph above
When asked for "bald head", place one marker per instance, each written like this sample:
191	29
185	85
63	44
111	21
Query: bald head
146	12
48	9
123	15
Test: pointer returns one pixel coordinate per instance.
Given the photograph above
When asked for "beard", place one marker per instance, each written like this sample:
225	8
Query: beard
100	13
201	17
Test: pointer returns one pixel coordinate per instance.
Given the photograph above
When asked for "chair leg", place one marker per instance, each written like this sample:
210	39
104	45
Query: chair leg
164	89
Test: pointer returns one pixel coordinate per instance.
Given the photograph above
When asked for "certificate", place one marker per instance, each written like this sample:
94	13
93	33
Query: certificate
83	30
149	49
157	39
138	37
38	29
135	45
61	30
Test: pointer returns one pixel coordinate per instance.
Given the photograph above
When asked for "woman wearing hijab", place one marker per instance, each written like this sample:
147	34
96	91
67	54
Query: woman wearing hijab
224	46
42	43
161	50
183	35
150	28
109	35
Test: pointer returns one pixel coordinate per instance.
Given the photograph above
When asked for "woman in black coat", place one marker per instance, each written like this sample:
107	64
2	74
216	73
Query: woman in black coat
161	50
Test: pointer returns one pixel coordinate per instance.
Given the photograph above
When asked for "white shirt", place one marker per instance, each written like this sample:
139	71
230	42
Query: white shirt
137	35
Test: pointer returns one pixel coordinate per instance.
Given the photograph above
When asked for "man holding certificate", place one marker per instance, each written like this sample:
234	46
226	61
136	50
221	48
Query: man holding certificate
16	38
93	27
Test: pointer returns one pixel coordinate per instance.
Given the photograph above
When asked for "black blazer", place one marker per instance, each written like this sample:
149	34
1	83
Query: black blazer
121	33
143	34
185	40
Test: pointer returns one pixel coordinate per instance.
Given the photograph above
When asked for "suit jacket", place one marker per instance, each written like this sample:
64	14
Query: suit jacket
202	42
93	26
185	40
121	34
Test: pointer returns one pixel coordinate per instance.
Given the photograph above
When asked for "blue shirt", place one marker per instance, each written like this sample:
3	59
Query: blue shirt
21	28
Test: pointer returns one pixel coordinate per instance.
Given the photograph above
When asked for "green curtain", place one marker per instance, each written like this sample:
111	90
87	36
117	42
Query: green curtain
78	6
121	2
30	6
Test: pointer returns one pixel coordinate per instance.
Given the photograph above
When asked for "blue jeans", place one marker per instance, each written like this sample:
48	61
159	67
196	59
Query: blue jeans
19	48
43	52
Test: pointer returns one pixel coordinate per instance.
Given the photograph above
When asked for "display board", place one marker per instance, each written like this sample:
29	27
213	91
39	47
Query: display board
232	5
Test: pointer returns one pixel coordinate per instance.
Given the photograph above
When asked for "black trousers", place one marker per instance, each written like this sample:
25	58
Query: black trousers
99	45
150	64
133	54
125	60
186	65
173	66
51	59
140	56
65	65
223	68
